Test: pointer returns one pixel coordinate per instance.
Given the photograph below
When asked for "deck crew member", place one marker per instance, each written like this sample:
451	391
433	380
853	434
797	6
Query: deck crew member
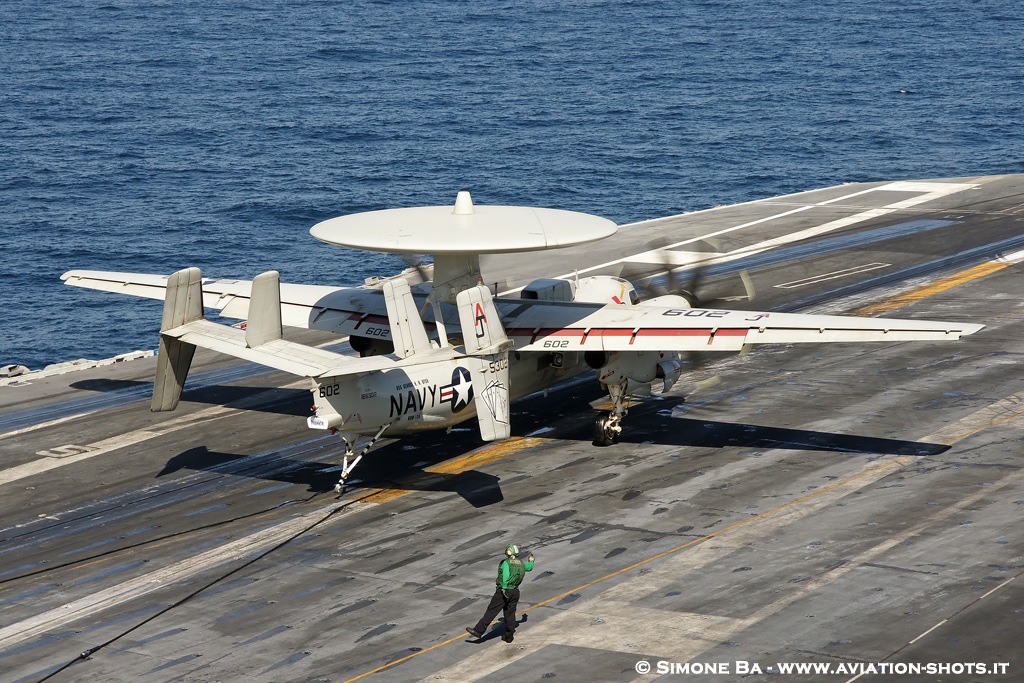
511	571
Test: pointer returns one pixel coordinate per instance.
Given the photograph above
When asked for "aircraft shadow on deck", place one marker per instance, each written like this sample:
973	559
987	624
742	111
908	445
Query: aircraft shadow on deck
405	464
709	434
385	468
647	423
280	401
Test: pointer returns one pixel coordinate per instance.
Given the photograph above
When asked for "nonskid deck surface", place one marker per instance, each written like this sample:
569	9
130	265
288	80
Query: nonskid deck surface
827	505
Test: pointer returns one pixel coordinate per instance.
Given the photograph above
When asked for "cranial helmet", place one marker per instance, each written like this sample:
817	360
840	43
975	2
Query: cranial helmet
512	550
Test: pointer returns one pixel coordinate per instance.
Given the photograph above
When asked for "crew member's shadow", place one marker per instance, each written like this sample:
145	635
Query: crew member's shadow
496	632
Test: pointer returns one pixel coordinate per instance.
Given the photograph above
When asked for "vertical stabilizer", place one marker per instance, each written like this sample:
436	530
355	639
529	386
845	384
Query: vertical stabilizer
481	326
491	394
407	331
183	303
264	322
487	347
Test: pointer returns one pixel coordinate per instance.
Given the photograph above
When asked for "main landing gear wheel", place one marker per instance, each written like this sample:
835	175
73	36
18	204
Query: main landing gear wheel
607	429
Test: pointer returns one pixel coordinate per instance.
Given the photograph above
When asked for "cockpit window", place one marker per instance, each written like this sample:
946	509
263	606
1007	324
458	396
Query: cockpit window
633	298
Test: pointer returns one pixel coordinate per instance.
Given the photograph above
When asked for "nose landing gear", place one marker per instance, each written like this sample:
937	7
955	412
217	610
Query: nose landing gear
346	467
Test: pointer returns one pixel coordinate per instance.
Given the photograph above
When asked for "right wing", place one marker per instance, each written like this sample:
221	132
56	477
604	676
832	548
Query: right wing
545	326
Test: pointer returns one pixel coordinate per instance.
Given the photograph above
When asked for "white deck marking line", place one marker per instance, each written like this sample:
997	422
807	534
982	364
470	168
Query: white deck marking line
926	633
613	607
66	454
834	275
252	543
997	588
48	423
175	574
61	420
684	636
944	621
930	192
1013	258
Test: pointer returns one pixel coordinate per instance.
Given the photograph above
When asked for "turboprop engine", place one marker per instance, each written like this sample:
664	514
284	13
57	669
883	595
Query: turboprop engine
597	289
668	301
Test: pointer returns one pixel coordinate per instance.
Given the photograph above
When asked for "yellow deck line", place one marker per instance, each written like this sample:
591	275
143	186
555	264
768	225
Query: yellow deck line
502	449
896	463
933	288
481	456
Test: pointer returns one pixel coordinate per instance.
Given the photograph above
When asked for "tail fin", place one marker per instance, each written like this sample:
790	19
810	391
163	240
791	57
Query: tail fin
491	395
407	330
264	323
183	303
487	347
481	327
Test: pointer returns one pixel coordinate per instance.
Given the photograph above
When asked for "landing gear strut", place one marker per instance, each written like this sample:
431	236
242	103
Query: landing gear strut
346	468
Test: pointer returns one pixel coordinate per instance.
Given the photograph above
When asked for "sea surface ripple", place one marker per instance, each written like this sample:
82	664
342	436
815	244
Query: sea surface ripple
150	136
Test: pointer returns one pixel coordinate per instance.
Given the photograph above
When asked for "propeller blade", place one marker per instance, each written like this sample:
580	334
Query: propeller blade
417	269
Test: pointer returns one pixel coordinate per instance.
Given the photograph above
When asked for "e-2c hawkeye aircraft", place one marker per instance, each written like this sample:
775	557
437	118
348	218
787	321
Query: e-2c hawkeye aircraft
438	357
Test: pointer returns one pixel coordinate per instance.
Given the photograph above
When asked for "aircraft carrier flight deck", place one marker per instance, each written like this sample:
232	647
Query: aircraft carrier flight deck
837	504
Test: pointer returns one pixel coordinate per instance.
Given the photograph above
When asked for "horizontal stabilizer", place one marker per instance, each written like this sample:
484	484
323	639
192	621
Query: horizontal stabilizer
298	359
184	328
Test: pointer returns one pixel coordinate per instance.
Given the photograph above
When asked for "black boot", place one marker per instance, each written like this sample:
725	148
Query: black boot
473	632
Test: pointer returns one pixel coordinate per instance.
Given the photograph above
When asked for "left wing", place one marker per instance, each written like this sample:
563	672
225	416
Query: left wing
580	327
342	310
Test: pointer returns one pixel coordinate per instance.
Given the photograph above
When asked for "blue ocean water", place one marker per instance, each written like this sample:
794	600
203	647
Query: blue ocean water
150	136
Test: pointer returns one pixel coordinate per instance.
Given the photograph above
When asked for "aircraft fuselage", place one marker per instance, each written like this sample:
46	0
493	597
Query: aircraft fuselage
429	396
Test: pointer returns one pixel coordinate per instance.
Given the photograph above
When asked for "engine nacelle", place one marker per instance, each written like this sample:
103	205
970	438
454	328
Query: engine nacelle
597	289
668	301
548	289
635	367
371	346
605	289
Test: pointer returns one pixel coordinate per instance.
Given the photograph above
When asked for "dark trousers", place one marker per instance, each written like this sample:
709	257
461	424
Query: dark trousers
506	600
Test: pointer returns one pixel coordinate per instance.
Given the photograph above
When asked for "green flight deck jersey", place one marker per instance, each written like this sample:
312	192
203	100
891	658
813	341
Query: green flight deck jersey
511	572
